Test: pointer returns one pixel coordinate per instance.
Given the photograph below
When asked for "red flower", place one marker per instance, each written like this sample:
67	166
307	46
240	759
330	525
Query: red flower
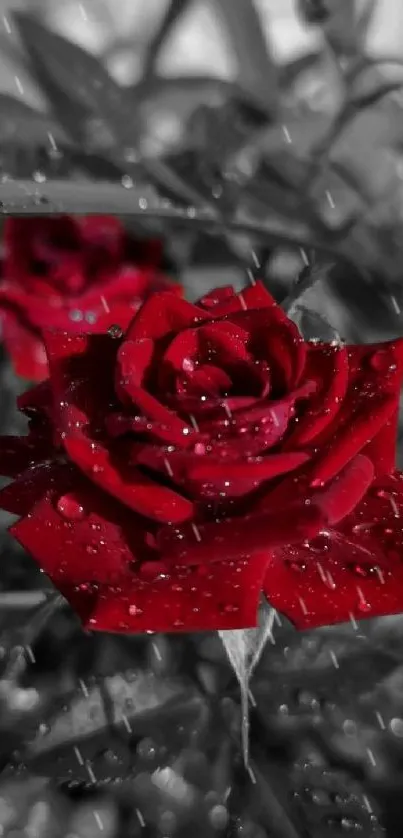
172	475
72	274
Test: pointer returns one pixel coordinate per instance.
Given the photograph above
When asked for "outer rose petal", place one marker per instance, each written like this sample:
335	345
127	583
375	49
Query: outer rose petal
353	571
370	404
163	314
86	543
225	300
206	544
169	599
351	439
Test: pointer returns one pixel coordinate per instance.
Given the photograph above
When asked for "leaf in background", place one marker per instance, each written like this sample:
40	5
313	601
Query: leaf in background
23	124
173	12
338	19
87	101
368	84
257	71
313	325
95	110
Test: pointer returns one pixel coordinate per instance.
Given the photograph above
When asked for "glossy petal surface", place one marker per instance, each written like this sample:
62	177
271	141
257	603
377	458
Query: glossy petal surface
174	472
71	274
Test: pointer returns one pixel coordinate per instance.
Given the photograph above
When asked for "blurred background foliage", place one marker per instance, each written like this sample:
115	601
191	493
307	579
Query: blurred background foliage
242	133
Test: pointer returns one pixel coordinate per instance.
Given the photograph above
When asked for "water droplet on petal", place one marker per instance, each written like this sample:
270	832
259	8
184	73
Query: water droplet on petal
297	567
363	605
70	508
135	611
76	315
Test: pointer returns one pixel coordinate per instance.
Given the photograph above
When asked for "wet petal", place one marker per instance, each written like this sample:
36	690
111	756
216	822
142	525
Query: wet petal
162	314
133	360
244	475
228	539
168	599
134	489
80	538
349	572
346	490
175	429
20	496
366	421
223	301
328	366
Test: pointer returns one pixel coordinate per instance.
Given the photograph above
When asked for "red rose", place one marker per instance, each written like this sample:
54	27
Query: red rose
173	474
72	274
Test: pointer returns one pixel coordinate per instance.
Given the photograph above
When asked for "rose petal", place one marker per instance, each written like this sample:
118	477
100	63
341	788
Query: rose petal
207	380
119	424
133	360
176	600
88	545
233	537
254	470
32	485
175	429
328	366
346	490
383	365
351	572
365	422
127	484
221	302
162	314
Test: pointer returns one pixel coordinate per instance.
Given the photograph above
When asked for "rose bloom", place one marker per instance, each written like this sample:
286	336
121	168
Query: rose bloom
73	274
174	475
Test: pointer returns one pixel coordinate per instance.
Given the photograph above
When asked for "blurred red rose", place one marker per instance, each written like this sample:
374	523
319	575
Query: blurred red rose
70	273
172	475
